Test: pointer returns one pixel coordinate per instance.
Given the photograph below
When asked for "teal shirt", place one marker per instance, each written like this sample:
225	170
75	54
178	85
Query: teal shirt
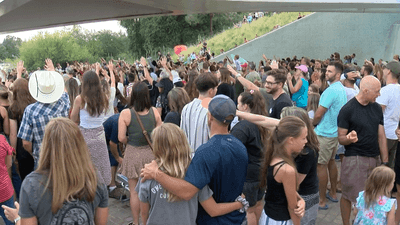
333	98
301	96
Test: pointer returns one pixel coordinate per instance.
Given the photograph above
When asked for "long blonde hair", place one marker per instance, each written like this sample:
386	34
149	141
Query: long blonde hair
377	185
65	160
172	152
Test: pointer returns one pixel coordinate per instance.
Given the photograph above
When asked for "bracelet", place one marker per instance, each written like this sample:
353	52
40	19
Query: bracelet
16	220
244	202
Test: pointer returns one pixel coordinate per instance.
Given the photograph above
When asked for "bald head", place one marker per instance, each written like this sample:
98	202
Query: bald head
369	83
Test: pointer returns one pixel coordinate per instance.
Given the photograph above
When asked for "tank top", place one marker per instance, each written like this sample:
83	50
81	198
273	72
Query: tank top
87	121
301	96
135	133
276	204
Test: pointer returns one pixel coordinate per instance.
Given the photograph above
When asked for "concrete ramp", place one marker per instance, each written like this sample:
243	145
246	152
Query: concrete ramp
318	35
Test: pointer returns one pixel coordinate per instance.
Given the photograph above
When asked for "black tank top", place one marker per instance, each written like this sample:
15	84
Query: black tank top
276	204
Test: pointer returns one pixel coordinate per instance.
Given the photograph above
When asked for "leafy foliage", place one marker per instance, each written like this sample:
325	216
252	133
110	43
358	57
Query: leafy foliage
70	45
149	35
10	47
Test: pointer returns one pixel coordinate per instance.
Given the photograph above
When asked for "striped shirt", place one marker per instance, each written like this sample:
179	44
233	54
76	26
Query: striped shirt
194	124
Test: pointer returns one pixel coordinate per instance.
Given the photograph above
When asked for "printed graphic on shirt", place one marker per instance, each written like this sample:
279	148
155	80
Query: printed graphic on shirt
74	212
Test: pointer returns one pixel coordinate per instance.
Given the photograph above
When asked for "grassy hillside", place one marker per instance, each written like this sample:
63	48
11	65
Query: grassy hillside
227	39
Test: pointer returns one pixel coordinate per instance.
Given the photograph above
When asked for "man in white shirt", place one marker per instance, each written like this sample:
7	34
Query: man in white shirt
390	102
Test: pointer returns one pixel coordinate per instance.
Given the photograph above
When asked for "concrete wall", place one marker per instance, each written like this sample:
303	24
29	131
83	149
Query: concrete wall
318	35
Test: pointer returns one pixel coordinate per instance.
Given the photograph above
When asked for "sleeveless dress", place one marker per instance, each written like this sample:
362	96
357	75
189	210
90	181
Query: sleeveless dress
138	152
376	214
93	132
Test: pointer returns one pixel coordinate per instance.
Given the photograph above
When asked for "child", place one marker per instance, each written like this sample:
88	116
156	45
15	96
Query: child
374	205
312	104
172	152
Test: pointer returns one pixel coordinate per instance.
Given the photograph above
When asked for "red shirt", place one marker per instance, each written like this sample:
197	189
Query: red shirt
6	188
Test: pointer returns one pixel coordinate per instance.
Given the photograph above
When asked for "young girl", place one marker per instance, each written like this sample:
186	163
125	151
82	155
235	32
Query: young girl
312	105
374	205
172	152
279	171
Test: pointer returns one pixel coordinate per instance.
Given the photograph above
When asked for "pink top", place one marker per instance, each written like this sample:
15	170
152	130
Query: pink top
6	188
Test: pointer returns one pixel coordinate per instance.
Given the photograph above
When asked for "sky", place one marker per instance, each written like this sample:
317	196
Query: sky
112	25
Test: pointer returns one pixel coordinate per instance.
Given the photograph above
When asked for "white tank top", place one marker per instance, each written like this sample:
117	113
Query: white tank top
88	121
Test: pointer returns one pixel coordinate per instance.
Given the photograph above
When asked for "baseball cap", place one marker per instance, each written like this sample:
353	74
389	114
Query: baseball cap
303	68
222	108
244	65
393	66
177	79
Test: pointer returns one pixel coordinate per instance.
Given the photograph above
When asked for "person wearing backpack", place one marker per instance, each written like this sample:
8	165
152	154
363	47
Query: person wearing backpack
64	188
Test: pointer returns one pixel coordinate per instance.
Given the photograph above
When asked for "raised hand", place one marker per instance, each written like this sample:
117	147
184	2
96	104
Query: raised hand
20	68
352	136
143	61
110	65
274	65
49	65
98	68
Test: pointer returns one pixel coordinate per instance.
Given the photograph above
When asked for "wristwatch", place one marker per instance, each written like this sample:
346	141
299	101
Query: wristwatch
238	75
16	220
385	163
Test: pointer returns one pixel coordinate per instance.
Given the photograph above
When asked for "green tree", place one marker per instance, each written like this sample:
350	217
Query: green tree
10	47
148	35
60	47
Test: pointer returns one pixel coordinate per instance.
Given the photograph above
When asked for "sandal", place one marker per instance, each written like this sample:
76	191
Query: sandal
323	207
331	198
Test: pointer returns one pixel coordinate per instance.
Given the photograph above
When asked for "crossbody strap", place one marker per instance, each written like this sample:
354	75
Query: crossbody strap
146	135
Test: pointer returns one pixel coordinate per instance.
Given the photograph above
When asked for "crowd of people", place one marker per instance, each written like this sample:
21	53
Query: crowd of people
201	142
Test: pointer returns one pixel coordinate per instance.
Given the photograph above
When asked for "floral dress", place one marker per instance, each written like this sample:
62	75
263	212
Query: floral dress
376	214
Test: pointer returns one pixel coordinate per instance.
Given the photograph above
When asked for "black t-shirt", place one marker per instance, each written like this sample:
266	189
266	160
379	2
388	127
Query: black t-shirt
278	104
365	120
307	164
173	117
249	135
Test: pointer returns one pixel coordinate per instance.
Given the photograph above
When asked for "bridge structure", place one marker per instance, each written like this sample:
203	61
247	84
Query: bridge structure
22	15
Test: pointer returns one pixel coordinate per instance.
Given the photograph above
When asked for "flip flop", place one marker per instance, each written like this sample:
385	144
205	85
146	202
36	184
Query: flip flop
323	207
331	198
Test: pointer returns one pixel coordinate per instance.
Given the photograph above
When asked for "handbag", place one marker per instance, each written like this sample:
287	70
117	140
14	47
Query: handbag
146	135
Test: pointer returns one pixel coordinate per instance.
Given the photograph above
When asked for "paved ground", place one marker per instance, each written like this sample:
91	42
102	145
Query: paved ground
120	214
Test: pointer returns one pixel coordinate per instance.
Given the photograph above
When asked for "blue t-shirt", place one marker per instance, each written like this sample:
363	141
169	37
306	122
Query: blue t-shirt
333	98
301	96
222	164
111	128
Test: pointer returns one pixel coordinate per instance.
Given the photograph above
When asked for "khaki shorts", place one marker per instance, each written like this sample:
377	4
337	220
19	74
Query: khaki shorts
328	148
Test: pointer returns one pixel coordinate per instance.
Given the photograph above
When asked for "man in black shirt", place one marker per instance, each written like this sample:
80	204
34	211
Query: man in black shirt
360	130
273	87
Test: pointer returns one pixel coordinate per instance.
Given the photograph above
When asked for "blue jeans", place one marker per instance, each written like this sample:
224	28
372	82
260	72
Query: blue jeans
9	203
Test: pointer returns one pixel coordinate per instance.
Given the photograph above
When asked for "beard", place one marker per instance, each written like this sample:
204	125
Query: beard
272	91
332	79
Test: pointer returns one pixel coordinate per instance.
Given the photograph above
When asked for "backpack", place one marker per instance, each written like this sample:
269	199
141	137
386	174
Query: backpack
75	212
